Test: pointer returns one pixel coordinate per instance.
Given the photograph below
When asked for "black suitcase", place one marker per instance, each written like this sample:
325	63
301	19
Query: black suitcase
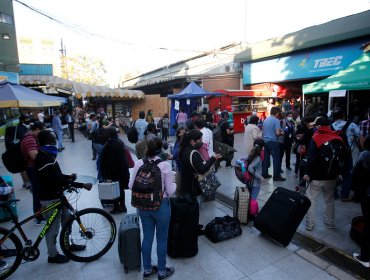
282	214
357	229
129	243
183	228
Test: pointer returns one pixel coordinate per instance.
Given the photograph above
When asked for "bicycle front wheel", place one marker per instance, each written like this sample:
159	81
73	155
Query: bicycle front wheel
10	253
93	228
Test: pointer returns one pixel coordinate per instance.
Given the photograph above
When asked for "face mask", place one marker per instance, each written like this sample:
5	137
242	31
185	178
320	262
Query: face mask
289	119
198	145
254	113
27	126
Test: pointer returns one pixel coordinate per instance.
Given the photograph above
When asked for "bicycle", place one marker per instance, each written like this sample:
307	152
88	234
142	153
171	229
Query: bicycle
92	227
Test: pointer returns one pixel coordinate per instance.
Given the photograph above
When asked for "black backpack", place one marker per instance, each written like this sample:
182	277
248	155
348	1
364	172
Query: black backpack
217	133
342	132
132	134
147	191
13	159
334	158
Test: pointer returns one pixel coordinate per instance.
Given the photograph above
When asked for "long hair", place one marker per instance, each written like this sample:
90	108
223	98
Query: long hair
256	151
193	134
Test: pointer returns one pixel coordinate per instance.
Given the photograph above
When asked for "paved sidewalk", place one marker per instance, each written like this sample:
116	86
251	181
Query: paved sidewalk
250	256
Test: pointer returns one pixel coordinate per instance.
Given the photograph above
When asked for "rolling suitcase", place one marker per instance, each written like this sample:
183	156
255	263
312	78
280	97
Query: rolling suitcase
282	214
129	243
241	205
4	214
109	192
183	229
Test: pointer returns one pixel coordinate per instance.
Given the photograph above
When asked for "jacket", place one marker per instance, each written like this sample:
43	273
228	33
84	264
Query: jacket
114	164
360	174
189	184
51	179
321	136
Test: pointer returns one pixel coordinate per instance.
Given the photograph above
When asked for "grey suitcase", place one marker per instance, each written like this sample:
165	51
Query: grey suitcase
129	243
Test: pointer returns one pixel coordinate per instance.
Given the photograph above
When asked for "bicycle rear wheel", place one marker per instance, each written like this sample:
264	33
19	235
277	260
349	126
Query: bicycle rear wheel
93	228
10	253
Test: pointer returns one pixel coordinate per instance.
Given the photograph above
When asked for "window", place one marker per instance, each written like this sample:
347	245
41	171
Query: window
4	18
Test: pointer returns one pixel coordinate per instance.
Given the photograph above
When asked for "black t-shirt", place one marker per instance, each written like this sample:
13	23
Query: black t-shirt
224	127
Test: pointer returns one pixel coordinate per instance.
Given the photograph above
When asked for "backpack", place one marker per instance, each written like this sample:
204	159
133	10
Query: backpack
334	156
342	133
217	134
132	134
13	159
165	123
147	191
241	170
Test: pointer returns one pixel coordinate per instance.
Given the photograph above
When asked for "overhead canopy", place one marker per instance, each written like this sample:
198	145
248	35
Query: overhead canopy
355	77
17	96
79	89
192	91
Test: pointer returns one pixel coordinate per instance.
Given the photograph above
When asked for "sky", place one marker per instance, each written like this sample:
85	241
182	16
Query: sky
137	36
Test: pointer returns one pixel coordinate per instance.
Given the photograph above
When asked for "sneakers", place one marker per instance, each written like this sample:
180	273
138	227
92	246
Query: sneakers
168	273
76	248
40	222
309	227
154	270
267	176
58	259
357	257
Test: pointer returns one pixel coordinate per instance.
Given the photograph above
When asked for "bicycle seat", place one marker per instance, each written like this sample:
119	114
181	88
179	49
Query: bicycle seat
2	203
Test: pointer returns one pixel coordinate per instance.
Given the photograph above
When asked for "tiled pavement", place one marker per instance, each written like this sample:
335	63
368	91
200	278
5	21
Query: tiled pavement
250	256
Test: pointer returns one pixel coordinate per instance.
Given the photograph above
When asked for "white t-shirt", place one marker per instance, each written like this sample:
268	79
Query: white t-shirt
208	139
41	116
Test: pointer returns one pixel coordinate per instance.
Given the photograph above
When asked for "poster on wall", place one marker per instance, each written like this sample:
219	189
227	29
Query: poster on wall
177	105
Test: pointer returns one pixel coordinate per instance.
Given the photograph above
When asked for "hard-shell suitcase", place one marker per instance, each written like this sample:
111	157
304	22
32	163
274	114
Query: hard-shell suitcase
4	214
109	192
129	243
241	205
282	214
183	228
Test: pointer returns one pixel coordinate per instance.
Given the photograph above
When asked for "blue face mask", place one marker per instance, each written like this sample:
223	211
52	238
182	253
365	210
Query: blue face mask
50	149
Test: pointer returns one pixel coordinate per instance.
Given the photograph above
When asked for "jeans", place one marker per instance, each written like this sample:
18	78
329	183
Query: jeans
271	148
98	148
328	188
34	179
158	221
59	134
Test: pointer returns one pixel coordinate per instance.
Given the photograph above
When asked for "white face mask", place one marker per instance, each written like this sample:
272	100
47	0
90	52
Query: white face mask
289	119
254	113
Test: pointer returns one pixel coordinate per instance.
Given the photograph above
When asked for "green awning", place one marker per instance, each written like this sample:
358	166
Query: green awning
355	77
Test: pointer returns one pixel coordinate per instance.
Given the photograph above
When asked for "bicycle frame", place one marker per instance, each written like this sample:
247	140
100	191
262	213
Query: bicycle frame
18	225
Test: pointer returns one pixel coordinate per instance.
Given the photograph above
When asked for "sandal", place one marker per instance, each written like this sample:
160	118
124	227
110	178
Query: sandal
146	275
168	273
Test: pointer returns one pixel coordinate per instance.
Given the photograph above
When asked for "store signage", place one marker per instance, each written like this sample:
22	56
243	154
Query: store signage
308	64
10	76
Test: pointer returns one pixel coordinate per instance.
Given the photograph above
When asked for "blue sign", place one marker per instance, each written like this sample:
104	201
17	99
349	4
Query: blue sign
306	64
10	76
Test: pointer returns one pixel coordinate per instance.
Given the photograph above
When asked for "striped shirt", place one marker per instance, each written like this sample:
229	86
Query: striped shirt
29	143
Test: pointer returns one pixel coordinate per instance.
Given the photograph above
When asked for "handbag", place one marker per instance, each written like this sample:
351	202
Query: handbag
208	182
223	228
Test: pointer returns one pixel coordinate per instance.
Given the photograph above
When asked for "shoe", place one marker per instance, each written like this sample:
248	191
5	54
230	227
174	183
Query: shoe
279	179
267	176
40	222
58	259
281	171
146	275
229	166
168	273
329	226
76	248
358	258
346	199
309	227
3	265
94	158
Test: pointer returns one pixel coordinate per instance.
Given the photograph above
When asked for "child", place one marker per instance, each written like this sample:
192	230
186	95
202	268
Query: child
255	169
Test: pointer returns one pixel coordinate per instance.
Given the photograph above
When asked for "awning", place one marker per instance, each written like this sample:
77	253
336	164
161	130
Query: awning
79	89
355	77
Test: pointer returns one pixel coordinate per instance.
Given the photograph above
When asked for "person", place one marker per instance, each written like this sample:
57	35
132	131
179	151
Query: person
309	109
71	122
320	179
41	116
156	220
227	134
56	124
270	135
181	118
92	128
216	116
255	169
352	132
286	106
192	140
149	116
251	134
364	130
289	130
141	125
270	104
253	113
163	125
361	181
114	166
180	131
52	182
190	122
30	149
207	137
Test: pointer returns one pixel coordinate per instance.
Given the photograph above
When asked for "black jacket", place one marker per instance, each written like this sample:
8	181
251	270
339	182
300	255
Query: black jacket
188	183
51	179
114	164
360	173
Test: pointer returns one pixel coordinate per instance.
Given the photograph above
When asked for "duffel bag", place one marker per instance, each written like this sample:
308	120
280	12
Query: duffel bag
223	228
